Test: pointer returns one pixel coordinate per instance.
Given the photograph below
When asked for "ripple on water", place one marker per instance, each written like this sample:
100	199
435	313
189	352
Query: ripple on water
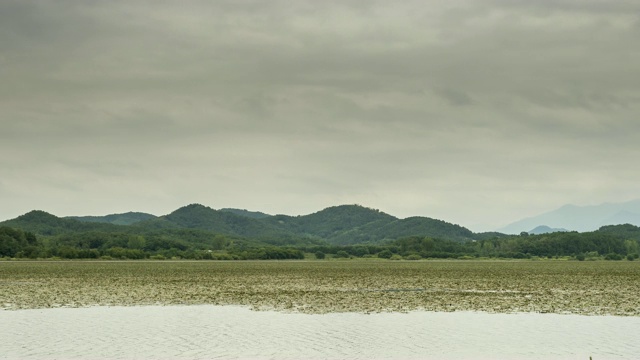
231	332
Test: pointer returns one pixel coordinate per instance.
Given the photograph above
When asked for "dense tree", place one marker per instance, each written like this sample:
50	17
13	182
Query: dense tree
13	241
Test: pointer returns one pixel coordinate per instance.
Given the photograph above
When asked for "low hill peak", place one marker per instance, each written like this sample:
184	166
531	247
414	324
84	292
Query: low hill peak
544	229
36	214
246	213
194	206
196	210
192	211
351	209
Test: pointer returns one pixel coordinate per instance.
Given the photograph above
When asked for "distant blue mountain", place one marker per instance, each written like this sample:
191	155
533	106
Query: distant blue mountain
544	229
581	218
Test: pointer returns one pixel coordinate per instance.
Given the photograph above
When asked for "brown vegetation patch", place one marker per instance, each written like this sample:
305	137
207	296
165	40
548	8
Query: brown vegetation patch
602	288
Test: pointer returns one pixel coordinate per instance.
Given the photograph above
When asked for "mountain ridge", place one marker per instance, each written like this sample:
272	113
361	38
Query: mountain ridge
580	218
247	213
337	225
128	218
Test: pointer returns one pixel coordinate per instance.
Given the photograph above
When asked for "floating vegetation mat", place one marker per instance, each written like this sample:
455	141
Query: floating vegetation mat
589	288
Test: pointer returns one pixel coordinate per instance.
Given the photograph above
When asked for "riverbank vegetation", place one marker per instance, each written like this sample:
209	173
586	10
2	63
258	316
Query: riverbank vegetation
607	244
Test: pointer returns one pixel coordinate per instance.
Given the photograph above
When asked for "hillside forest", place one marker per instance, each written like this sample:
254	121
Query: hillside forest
347	231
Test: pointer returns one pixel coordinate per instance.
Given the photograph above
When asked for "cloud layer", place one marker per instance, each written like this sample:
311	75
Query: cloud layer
475	112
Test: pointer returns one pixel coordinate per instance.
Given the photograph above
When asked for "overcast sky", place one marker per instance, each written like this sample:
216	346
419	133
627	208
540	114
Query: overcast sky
477	112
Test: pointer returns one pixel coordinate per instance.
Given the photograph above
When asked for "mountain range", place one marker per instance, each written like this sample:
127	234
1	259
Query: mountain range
581	218
337	225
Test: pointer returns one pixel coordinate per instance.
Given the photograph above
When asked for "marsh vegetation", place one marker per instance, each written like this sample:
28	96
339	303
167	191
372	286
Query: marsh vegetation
547	286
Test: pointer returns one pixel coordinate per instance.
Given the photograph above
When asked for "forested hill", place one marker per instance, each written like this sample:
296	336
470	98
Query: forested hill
331	223
338	225
355	224
246	213
379	231
196	216
199	232
117	219
43	223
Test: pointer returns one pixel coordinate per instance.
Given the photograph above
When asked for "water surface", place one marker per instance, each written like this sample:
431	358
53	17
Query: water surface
232	332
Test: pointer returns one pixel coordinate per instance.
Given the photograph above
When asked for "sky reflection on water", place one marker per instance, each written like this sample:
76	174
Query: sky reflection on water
231	332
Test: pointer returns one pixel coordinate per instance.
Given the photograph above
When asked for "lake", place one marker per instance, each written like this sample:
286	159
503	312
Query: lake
233	332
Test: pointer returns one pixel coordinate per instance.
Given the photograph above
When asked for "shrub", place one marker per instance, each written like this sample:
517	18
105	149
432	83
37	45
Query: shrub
580	257
385	254
592	255
395	257
613	256
226	256
319	255
413	257
342	254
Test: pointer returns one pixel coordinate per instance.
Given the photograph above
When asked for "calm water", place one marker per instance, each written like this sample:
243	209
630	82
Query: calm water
215	332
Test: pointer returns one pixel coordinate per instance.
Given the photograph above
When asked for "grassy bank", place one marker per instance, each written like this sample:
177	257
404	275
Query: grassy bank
331	286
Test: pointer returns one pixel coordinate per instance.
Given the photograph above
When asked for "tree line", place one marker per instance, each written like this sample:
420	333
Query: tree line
613	243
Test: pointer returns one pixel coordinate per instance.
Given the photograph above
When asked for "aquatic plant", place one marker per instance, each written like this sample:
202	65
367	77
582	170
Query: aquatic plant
375	285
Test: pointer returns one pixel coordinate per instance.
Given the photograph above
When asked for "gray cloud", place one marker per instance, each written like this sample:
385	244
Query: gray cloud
476	112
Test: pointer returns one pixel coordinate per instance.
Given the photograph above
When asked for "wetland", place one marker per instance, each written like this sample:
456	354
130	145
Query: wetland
320	287
330	309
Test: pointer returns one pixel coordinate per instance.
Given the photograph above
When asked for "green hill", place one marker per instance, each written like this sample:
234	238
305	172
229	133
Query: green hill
42	223
199	232
381	231
337	225
117	219
196	216
331	222
340	225
175	231
355	224
247	213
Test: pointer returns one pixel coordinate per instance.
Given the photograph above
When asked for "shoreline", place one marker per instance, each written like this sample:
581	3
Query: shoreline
290	312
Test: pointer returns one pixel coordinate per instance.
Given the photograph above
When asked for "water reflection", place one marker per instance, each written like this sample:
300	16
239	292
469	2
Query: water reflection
215	332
